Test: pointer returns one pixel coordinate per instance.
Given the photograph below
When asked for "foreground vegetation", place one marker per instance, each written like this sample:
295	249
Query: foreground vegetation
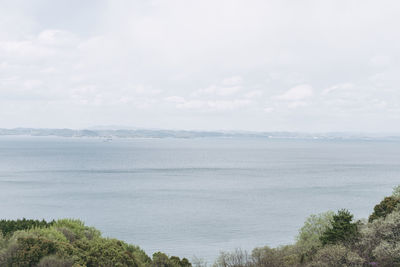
69	243
334	239
327	239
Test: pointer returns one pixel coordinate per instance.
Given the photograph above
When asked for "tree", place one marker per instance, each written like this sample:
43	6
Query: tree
342	230
162	260
396	191
387	206
336	255
308	239
380	240
7	227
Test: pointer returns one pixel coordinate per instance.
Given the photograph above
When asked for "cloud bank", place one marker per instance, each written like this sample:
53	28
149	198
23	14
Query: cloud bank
246	65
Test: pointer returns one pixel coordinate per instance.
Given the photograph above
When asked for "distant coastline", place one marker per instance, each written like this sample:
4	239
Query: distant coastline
164	133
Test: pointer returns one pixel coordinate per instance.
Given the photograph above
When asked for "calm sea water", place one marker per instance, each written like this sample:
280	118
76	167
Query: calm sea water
191	197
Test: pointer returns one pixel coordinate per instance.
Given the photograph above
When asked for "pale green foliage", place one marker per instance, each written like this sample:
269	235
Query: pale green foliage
330	239
198	262
2	241
54	261
49	233
381	240
276	257
285	256
78	229
314	226
69	243
387	254
396	191
233	259
335	256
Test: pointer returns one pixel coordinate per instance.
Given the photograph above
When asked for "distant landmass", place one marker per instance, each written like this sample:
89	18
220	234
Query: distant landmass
104	132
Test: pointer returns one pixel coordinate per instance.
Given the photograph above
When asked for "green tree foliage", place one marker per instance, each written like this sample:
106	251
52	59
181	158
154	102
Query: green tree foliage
237	258
162	260
8	227
69	243
326	239
396	191
28	251
308	240
343	230
54	261
336	255
387	206
380	240
330	239
283	256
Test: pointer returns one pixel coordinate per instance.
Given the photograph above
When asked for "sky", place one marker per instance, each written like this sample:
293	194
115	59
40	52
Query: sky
255	65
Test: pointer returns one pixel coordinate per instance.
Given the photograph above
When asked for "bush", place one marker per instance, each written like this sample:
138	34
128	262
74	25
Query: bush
238	258
309	236
162	260
387	206
69	243
54	261
380	240
28	251
336	255
76	229
276	257
108	252
7	227
342	229
396	191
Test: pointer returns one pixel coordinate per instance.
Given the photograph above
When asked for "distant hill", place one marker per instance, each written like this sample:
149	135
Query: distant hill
103	132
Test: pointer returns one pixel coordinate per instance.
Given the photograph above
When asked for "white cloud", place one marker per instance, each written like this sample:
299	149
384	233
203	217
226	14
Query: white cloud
228	86
253	94
208	105
217	90
234	80
297	104
298	92
175	99
191	104
268	109
343	86
380	61
57	37
154	59
229	105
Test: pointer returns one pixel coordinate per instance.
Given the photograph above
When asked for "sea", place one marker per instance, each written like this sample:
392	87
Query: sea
194	197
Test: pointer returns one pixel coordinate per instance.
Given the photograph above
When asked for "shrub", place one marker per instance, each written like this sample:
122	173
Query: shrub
105	252
342	229
77	229
162	260
69	243
199	262
396	191
380	240
387	206
28	251
238	258
308	240
54	261
336	255
2	241
7	227
276	257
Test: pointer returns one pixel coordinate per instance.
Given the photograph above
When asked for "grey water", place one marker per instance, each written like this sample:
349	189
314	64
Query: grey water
191	197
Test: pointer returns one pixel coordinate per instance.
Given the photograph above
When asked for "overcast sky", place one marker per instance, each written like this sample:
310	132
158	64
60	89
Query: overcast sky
209	64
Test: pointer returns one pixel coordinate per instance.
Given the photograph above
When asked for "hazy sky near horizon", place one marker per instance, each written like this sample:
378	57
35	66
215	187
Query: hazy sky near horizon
211	64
